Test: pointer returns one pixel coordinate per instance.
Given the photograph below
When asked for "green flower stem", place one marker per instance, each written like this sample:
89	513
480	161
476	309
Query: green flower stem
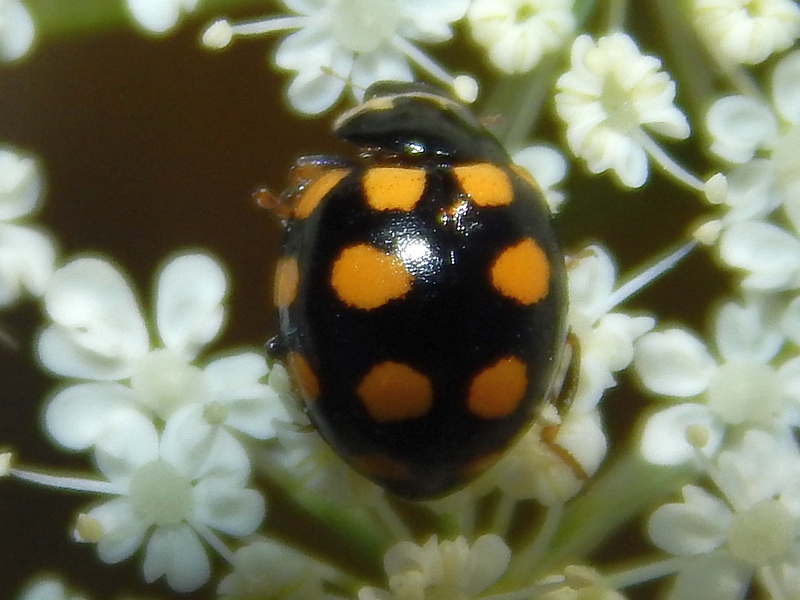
60	18
627	490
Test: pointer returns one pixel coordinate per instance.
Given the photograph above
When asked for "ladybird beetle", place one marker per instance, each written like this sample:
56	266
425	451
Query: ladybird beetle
420	292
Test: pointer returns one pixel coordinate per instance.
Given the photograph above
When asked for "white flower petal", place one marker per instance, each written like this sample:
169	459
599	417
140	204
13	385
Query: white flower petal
612	339
548	167
594	379
27	261
313	91
591	280
177	553
77	416
189	310
250	406
98	327
745	333
307	47
545	164
757	467
123	531
739	125
753	190
234	511
20	177
17	30
489	558
786	87
715	576
664	437
430	21
197	450
380	65
674	363
128	441
228	374
158	16
695	526
770	254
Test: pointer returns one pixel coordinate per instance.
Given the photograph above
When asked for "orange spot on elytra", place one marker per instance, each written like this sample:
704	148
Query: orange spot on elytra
498	389
393	188
521	272
392	391
485	184
312	195
303	376
287	277
364	277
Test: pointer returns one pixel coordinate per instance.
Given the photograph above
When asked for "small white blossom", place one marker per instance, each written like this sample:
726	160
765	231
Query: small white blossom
356	42
266	569
517	33
17	31
746	32
740	387
171	492
159	16
448	569
548	167
27	255
750	530
611	93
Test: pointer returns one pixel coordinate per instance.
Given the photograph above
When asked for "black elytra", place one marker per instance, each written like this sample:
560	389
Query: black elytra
421	293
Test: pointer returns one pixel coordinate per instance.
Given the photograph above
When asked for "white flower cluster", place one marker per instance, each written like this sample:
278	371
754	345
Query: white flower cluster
732	406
